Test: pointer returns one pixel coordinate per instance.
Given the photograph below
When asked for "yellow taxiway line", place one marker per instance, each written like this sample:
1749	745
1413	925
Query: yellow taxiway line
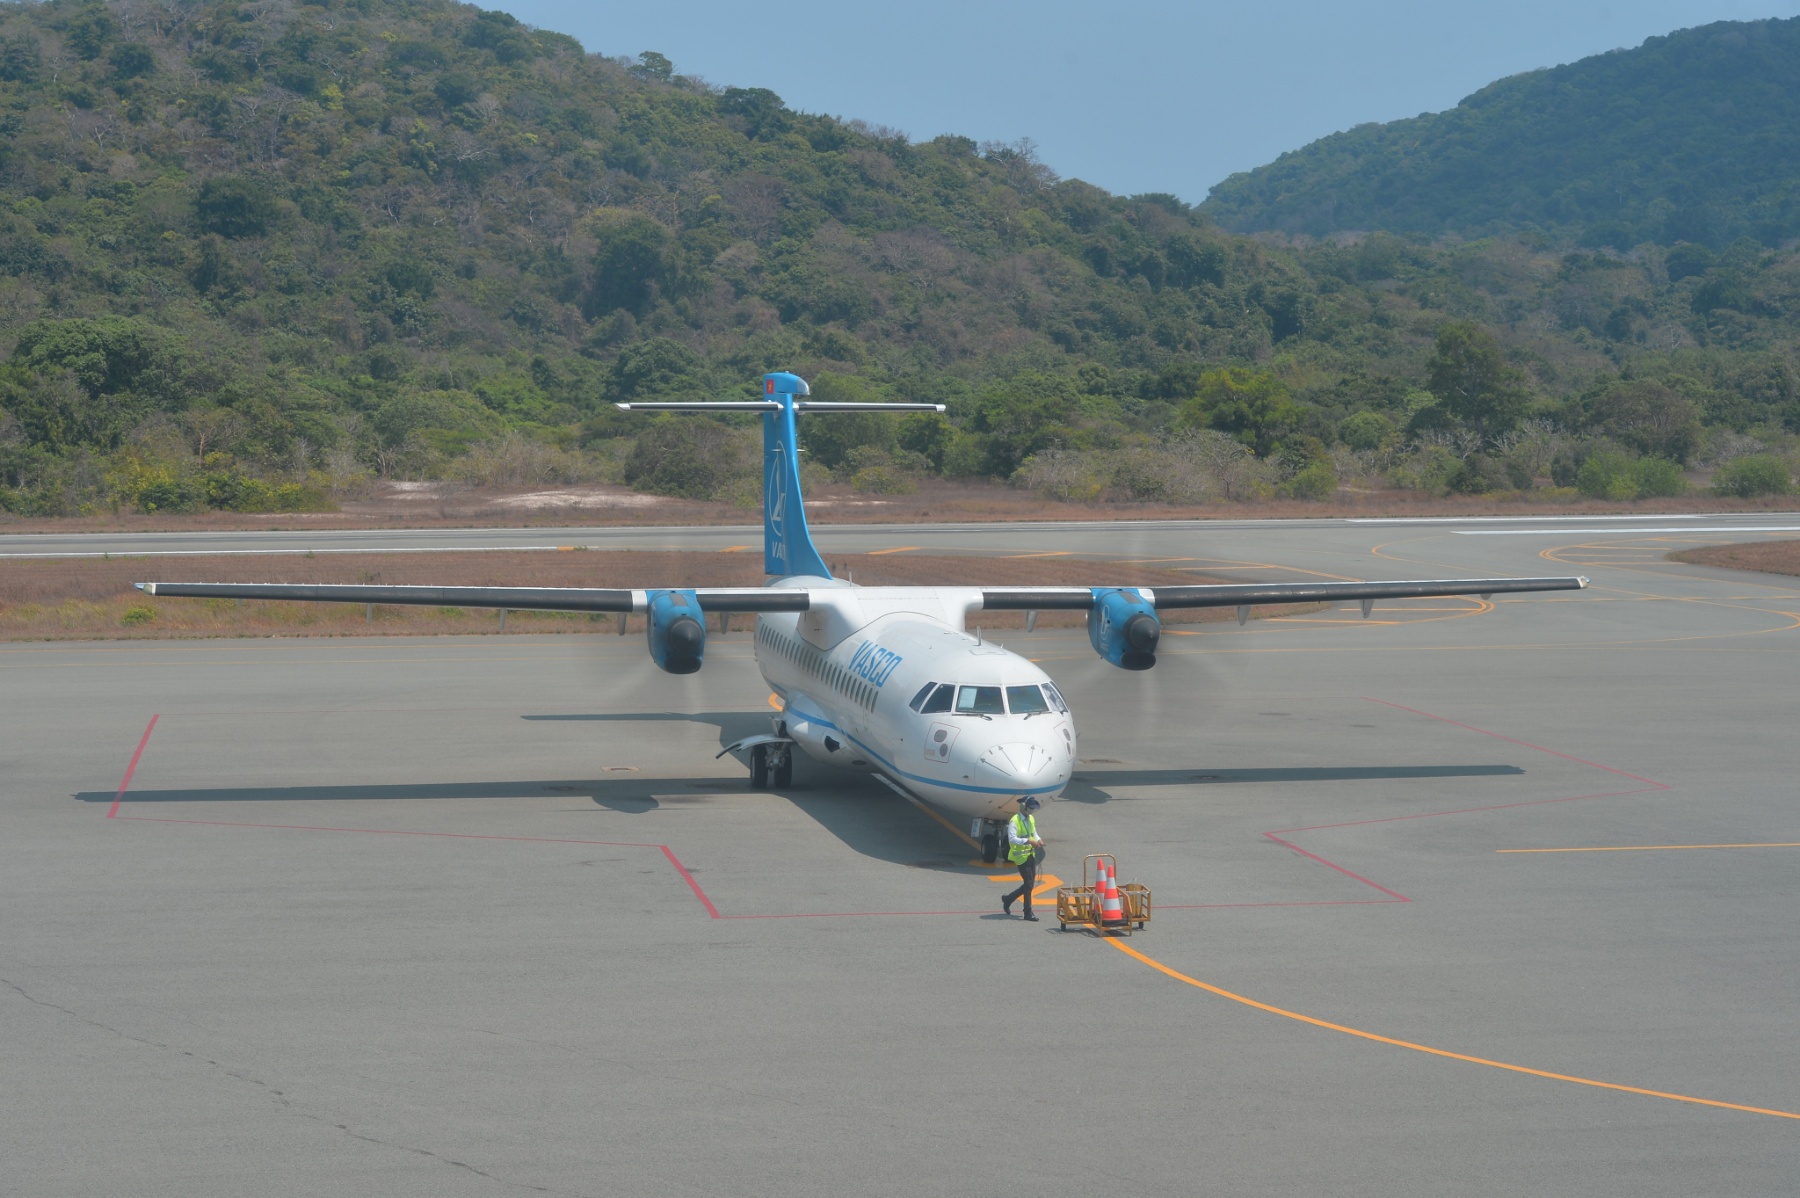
1655	848
1439	1052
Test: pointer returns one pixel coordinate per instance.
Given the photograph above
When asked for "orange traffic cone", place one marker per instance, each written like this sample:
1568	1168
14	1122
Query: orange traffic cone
1112	911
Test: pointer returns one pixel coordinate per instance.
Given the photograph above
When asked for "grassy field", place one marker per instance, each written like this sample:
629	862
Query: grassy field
87	598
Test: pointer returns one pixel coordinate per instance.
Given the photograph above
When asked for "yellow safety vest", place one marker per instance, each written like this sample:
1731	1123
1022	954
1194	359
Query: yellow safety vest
1024	828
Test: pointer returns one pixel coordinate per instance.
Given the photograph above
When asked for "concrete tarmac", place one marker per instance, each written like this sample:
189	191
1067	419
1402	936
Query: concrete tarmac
470	916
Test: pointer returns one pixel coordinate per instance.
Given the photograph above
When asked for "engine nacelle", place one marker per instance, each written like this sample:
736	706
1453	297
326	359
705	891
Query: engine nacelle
1123	628
677	631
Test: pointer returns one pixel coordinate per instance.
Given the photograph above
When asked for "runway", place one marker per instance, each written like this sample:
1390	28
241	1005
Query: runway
447	916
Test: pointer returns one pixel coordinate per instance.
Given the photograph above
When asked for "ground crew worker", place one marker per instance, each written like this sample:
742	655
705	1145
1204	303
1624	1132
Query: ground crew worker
1022	846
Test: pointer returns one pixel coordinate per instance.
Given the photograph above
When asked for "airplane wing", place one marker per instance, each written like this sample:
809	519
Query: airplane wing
588	599
774	599
1258	594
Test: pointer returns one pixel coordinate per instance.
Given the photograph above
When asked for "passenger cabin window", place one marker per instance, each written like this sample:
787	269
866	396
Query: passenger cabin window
1026	700
939	701
979	700
918	700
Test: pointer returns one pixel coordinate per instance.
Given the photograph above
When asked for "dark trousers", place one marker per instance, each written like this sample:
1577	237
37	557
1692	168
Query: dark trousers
1027	881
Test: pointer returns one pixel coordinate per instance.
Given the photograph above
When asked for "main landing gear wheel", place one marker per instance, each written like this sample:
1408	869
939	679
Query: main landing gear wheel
759	767
783	766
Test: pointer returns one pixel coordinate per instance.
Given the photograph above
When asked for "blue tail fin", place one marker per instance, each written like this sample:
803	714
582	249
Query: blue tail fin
787	545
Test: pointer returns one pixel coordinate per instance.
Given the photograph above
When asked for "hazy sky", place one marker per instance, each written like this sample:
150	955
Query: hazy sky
1153	95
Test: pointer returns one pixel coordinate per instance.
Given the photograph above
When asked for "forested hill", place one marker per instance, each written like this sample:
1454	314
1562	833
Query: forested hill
1690	137
253	252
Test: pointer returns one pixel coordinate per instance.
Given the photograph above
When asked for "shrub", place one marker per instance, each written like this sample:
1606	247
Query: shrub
883	480
1753	474
1659	478
688	457
135	616
1610	474
1365	430
1317	481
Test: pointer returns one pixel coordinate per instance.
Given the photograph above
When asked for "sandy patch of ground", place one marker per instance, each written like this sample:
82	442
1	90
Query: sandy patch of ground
1770	557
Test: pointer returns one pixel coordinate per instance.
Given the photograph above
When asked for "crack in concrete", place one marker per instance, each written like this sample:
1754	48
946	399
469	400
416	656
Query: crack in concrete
281	1099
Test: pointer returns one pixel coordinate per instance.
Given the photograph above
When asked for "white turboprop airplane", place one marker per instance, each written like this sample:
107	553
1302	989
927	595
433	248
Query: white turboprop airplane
884	679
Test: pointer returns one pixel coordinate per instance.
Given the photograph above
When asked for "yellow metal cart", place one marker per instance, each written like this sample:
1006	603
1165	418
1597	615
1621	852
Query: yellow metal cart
1082	904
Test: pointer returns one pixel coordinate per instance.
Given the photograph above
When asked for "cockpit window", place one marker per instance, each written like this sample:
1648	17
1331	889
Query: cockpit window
1026	700
940	700
920	697
979	700
1056	699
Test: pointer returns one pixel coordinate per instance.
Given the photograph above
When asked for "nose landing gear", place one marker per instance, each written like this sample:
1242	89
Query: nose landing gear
771	764
991	839
771	760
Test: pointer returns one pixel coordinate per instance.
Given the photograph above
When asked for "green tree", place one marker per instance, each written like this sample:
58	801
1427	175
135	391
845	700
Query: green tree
1252	405
1365	430
1649	417
656	369
653	67
1017	418
108	356
830	438
635	262
1472	382
235	206
90	30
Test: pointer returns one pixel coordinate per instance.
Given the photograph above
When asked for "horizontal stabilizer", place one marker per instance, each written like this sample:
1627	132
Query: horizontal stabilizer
826	405
769	405
703	405
579	599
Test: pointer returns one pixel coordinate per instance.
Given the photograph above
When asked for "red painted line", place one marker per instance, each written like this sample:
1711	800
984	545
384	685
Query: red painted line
1650	786
1393	894
855	914
689	879
113	811
1524	743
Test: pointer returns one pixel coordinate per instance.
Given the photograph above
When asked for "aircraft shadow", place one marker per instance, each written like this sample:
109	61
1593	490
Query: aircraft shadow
869	819
732	725
1095	786
630	794
861	813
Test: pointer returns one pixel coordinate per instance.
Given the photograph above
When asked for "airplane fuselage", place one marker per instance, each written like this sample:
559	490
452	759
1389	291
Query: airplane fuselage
887	680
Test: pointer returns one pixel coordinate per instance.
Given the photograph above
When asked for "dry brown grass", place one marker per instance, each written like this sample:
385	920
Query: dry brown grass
61	599
1770	557
939	501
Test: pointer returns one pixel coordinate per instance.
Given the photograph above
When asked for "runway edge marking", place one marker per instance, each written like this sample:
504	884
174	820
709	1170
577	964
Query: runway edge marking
1441	1052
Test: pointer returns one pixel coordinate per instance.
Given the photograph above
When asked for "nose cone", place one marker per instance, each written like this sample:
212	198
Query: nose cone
1019	764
